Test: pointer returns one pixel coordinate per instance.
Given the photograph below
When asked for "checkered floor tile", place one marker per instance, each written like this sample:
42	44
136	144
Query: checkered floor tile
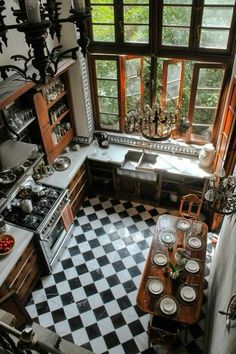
90	299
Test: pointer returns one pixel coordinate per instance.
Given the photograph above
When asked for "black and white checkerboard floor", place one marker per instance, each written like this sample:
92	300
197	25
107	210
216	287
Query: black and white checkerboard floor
90	299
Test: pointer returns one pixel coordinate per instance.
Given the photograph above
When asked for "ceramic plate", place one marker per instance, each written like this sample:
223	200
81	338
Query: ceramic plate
155	286
168	237
188	294
194	242
160	259
168	306
183	224
192	266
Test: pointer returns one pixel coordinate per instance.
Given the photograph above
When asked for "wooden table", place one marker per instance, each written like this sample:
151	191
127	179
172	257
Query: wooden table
187	312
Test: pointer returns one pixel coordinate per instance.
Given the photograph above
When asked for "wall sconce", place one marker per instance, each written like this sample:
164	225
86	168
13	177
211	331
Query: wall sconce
221	195
35	18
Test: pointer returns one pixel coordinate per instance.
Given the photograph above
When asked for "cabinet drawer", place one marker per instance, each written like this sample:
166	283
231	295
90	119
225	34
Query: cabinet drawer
77	201
15	282
83	179
80	174
31	275
20	263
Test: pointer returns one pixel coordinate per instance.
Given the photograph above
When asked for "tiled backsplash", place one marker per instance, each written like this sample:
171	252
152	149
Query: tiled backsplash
169	145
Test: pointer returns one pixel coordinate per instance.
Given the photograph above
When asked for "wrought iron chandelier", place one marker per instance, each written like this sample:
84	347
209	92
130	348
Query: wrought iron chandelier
155	123
221	195
35	18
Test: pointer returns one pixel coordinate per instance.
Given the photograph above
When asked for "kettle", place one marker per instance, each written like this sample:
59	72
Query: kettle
102	139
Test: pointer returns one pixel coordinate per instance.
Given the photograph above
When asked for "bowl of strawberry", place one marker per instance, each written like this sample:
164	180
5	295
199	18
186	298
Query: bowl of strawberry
6	244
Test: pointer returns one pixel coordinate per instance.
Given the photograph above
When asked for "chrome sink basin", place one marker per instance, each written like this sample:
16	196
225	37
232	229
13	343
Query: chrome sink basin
140	165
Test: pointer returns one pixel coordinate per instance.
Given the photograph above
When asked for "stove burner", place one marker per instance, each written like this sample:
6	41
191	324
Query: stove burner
7	177
52	193
27	163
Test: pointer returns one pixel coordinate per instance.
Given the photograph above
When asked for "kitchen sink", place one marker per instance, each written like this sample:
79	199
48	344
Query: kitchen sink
147	161
140	165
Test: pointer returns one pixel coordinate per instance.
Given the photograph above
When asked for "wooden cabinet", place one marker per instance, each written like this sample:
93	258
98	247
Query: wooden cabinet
136	189
19	284
55	114
178	185
24	274
102	177
78	188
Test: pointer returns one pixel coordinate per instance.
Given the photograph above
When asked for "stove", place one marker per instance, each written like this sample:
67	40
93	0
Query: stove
44	205
49	217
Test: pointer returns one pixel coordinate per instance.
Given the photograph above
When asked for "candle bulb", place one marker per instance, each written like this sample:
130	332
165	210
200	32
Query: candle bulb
79	5
33	11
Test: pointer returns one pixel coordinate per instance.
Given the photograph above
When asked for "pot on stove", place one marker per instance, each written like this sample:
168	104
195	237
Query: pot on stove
38	190
26	206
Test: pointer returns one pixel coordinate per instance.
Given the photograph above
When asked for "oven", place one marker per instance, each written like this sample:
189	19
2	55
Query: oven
49	217
54	241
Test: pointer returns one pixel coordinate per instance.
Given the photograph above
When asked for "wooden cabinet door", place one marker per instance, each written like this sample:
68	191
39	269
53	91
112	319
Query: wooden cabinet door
226	148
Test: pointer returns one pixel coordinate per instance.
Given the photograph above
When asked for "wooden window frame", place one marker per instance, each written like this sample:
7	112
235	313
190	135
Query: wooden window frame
121	86
166	64
191	138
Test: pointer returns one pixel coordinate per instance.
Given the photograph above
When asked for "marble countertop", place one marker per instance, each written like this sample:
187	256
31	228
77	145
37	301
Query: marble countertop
168	162
22	239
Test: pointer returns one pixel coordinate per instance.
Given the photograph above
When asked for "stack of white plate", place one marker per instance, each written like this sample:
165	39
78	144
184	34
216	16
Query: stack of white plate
188	294
168	306
160	259
155	286
192	266
194	242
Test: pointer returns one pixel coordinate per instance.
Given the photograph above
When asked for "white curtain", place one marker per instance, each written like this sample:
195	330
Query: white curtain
222	285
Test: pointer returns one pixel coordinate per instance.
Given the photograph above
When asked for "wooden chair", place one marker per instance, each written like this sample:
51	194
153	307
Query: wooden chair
163	331
190	206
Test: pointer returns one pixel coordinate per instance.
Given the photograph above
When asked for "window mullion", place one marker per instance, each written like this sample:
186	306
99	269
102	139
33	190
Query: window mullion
119	21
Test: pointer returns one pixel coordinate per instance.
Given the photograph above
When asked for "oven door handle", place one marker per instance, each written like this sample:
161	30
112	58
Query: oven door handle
47	238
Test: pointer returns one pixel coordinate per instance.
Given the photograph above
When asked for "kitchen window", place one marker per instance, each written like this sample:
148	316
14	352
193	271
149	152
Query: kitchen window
195	27
123	83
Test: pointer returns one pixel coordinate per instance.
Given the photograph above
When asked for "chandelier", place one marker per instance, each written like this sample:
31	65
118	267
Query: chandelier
155	123
221	195
35	18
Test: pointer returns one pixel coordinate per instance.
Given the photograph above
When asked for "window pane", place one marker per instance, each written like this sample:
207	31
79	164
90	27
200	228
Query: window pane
173	72
136	1
177	16
132	102
207	98
132	67
109	121
181	2
217	17
214	39
133	86
204	116
136	34
136	14
210	78
101	2
172	90
108	105
103	33
103	14
219	2
175	37
107	88
106	69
